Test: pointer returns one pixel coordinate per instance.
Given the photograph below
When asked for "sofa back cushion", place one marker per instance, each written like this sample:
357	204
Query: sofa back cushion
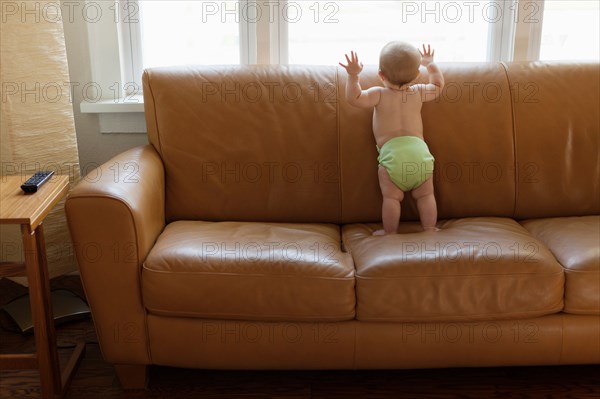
246	143
557	126
281	144
469	132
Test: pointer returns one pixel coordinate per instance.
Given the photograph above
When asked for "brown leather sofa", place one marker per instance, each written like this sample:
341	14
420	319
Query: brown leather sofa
240	237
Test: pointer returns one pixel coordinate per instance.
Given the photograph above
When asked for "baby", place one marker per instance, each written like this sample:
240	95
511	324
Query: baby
405	163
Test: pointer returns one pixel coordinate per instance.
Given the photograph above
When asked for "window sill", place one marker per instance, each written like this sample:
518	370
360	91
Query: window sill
123	116
121	105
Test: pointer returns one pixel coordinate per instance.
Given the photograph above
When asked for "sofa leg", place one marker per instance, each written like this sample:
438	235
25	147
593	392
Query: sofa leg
132	376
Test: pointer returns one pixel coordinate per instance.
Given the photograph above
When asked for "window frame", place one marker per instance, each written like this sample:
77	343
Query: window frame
116	58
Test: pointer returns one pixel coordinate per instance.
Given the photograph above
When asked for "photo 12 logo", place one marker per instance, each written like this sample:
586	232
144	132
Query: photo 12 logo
268	91
69	11
32	92
469	11
253	12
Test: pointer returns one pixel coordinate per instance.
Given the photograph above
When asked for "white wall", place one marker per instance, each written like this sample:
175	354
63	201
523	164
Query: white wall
94	147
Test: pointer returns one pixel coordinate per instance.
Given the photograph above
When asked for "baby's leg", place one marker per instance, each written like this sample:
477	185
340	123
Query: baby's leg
390	209
426	205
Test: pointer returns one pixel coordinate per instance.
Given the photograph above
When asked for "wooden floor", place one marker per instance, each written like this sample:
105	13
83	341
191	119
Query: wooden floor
96	379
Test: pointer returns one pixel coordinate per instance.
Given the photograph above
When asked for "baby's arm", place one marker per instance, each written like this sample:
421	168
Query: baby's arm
433	89
354	93
361	98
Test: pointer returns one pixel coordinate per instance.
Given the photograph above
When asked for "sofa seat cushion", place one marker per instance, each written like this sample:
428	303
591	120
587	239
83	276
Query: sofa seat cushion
473	269
249	271
575	242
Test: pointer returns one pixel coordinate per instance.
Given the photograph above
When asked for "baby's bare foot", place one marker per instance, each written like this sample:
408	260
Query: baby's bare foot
431	229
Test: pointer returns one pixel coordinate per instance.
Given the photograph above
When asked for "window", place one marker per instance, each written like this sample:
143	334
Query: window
320	32
309	31
570	30
149	33
189	32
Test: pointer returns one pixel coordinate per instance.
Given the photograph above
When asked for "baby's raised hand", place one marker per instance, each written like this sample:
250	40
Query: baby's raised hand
354	67
426	55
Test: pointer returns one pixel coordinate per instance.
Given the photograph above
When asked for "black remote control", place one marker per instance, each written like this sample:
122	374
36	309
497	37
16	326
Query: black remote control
34	182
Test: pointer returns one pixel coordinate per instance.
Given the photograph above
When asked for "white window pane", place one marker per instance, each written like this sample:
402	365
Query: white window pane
570	30
189	32
322	31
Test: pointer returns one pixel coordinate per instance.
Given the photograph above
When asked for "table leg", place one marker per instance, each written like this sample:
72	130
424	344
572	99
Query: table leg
41	310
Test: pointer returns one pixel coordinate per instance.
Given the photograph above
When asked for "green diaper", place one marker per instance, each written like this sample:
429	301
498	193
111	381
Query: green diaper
407	160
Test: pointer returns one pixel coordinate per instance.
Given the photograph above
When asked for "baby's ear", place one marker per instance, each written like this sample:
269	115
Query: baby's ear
381	75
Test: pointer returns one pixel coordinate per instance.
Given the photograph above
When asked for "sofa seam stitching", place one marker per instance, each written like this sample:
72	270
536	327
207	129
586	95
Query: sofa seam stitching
581	311
575	271
155	116
339	150
562	339
255	317
514	135
472	317
461	276
141	294
355	340
139	273
247	275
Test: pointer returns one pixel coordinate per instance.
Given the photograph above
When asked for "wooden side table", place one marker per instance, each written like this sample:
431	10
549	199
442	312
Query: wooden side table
29	211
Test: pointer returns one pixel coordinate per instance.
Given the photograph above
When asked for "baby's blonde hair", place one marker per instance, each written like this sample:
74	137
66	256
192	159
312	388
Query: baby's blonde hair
399	62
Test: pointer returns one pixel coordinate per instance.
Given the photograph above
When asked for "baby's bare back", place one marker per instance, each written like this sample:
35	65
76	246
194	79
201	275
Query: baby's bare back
398	113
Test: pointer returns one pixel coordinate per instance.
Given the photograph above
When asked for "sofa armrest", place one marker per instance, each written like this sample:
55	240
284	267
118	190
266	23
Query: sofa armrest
115	215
